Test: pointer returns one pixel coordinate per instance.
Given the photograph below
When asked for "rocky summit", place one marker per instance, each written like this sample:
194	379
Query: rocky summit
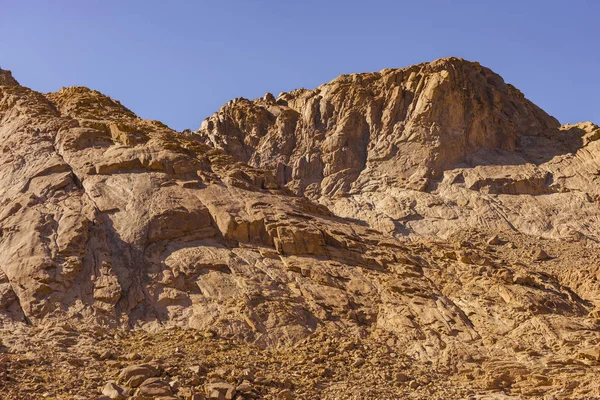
421	233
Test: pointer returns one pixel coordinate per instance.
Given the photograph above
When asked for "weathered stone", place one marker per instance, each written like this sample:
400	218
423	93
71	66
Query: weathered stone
541	255
112	391
285	394
134	375
495	241
153	388
244	387
219	391
360	208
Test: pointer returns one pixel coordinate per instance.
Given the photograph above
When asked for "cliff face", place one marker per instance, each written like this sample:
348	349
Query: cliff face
416	204
424	150
417	121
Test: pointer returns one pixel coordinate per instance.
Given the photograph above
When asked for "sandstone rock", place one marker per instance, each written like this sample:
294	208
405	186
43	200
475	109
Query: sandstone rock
105	355
217	375
219	391
112	391
134	375
495	241
401	377
153	388
358	362
464	257
132	357
285	394
357	209
197	369
540	255
6	78
244	387
590	354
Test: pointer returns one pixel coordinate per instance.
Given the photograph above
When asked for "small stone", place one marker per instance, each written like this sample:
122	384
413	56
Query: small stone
219	391
401	377
589	354
76	362
132	357
464	257
113	391
244	387
153	388
196	369
190	394
358	362
269	98
494	241
541	255
450	255
113	363
106	355
285	394
413	384
134	375
262	380
246	374
218	374
175	383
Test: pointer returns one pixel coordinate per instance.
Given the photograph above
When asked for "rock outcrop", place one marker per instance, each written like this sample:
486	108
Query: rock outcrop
432	211
428	150
6	78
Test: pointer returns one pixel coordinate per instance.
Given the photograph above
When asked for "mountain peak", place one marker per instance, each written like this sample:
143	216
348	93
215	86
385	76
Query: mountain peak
6	78
83	101
401	209
423	119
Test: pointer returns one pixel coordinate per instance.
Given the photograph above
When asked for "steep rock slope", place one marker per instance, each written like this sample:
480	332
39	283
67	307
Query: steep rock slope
430	150
347	209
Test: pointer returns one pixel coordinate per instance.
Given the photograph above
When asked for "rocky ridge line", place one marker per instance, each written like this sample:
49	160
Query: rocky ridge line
345	214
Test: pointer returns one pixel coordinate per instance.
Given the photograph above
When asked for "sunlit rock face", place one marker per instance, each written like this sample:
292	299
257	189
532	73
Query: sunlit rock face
433	205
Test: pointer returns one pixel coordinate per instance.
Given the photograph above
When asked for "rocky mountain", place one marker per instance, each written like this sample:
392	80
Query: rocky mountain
424	232
409	150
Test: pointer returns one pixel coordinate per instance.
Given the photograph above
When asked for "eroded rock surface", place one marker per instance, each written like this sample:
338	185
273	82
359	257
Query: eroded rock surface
427	150
431	214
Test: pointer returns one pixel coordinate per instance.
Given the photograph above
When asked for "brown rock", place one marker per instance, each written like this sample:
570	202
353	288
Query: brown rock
219	391
310	220
112	391
464	257
590	354
153	388
495	241
358	362
134	375
285	394
6	79
541	255
244	387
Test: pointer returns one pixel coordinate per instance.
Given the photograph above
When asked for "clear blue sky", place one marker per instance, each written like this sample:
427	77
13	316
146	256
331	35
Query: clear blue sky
179	61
